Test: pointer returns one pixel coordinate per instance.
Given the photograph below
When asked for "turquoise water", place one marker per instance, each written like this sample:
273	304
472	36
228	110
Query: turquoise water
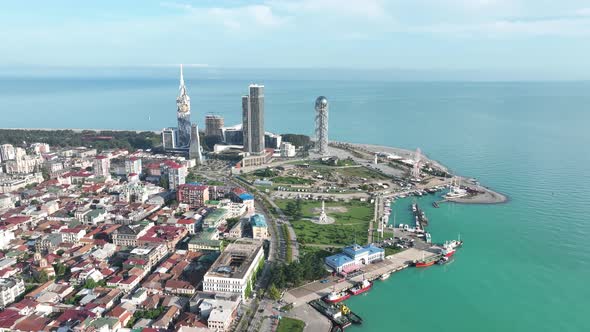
525	265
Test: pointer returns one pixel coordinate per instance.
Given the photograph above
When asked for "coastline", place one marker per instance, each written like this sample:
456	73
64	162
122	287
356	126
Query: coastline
486	195
79	130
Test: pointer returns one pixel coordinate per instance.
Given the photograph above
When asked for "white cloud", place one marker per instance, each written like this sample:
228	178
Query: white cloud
233	18
564	27
371	9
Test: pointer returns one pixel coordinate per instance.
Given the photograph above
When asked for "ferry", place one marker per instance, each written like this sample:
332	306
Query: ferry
361	287
335	297
384	276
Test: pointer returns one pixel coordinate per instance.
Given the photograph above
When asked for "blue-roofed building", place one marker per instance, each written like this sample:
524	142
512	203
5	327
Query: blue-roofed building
259	226
240	195
353	257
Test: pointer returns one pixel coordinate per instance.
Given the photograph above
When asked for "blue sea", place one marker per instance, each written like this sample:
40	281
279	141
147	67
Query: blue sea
525	265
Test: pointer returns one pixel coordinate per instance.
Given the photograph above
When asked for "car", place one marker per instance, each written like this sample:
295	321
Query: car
324	281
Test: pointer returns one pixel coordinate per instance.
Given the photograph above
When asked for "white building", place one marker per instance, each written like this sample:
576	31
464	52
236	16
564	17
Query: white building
354	257
102	166
7	152
39	148
133	166
219	313
288	150
5	237
23	165
233	270
10	289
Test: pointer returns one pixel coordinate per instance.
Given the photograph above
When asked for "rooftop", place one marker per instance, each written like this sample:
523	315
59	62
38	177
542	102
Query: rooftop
234	261
258	220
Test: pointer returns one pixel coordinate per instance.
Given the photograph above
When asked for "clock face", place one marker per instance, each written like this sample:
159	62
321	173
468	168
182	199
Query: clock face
183	108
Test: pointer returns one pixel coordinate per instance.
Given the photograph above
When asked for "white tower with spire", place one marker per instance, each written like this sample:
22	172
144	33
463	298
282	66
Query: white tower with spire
183	114
194	151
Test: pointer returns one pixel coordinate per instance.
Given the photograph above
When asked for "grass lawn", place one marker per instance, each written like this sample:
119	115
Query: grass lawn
287	324
361	172
350	225
291	180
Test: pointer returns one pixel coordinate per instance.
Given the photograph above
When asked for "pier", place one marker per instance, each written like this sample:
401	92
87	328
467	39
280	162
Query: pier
391	264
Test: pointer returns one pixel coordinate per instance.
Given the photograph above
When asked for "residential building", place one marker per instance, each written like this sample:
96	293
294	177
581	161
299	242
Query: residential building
220	313
215	218
7	152
5	237
149	254
133	166
233	270
259	227
175	173
40	148
288	150
169	138
127	235
10	289
193	195
102	166
207	240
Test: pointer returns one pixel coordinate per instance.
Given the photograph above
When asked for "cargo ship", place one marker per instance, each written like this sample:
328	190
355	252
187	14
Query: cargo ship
424	262
361	287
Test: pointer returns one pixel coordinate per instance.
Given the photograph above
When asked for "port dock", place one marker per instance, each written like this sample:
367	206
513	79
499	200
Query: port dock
391	264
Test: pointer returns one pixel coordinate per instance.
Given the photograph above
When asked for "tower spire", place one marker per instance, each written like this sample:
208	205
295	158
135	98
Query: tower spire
181	77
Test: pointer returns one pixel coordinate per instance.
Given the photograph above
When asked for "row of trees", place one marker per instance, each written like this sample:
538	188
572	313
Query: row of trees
309	267
129	140
297	140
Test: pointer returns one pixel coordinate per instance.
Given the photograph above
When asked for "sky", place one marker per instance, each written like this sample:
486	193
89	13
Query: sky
548	36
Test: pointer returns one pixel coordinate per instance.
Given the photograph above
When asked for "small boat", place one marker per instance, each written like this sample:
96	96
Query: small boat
435	204
443	260
335	297
455	244
384	276
414	207
361	287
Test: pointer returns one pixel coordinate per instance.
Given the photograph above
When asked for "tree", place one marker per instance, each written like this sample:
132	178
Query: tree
164	182
191	177
274	293
248	290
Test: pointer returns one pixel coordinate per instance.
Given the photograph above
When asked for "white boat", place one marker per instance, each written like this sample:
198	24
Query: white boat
384	276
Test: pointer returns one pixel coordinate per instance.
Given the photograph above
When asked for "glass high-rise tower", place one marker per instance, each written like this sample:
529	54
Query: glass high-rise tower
253	119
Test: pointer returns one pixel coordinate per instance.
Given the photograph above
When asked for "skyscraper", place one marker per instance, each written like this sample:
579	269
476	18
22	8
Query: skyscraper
183	113
194	151
213	125
169	138
253	119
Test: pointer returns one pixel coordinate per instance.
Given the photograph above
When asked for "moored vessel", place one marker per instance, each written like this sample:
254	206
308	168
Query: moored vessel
361	287
335	297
